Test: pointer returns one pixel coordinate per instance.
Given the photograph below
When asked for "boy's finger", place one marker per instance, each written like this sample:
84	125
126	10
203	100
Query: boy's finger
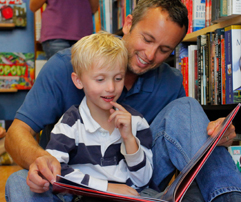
118	106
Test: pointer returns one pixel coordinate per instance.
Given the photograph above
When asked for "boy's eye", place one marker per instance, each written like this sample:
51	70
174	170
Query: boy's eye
99	80
146	40
118	78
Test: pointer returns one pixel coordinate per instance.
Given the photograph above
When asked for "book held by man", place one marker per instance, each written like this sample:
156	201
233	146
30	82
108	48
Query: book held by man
173	193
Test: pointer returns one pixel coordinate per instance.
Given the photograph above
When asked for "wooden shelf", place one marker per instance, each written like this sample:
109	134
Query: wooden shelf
8	90
192	37
7	25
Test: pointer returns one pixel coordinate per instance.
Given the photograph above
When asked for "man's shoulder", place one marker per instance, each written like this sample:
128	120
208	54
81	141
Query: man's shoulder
167	69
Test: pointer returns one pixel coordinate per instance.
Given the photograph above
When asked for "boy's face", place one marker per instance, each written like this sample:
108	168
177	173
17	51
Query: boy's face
101	85
151	40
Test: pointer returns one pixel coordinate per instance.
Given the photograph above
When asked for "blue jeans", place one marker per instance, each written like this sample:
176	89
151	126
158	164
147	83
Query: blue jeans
50	47
179	130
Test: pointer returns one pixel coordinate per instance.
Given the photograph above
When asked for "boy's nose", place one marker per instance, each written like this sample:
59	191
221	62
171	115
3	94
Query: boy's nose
110	86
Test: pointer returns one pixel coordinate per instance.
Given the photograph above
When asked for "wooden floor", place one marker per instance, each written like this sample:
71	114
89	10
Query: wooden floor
5	172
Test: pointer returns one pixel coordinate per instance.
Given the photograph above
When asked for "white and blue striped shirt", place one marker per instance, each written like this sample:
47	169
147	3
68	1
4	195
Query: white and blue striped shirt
89	155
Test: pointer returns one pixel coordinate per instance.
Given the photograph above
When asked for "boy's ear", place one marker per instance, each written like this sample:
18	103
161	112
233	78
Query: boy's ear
77	82
127	25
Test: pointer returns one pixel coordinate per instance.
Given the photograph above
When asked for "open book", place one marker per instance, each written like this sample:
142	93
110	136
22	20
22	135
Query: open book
173	193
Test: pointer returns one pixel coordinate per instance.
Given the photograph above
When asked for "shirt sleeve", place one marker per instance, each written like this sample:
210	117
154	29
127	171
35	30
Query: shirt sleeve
44	102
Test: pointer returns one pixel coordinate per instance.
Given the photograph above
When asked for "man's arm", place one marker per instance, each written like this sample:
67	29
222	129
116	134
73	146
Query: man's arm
21	145
94	5
34	5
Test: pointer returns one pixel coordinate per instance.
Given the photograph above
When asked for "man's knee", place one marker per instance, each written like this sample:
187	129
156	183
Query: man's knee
17	177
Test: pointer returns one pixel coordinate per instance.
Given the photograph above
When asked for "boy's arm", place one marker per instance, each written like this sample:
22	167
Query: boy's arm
136	150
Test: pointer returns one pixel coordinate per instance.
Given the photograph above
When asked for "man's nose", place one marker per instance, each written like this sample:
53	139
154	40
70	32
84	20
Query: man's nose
150	53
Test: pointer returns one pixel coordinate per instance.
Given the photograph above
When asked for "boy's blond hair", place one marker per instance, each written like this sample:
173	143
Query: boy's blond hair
101	49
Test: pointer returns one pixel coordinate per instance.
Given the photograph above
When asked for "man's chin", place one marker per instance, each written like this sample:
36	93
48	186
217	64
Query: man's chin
138	71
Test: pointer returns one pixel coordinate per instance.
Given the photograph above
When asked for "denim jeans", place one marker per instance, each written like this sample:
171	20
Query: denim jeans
50	47
179	130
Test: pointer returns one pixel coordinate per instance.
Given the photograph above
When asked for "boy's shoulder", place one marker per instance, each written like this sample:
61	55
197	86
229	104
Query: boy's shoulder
71	116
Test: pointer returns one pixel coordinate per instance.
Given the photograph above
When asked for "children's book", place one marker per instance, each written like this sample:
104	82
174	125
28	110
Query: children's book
235	152
173	193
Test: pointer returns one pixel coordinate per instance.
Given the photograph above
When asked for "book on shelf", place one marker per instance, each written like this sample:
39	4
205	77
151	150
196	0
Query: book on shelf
16	70
174	192
220	64
13	12
233	63
233	7
235	152
198	15
208	10
191	70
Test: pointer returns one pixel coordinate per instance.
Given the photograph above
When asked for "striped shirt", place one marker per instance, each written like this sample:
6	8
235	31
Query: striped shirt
89	155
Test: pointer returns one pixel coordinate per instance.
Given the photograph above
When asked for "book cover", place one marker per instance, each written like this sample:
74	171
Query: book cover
12	12
235	152
198	15
234	7
174	192
233	61
17	70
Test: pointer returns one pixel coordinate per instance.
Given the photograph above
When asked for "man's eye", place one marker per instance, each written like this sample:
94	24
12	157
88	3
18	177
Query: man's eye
164	51
99	80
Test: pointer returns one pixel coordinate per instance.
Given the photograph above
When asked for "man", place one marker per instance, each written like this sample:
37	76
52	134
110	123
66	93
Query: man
150	35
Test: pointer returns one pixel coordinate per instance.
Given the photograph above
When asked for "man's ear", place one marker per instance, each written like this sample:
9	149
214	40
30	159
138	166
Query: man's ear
127	25
77	82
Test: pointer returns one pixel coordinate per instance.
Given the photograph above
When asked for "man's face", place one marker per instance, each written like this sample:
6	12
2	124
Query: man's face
151	40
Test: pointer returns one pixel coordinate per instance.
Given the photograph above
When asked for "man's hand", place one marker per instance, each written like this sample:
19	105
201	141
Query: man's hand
122	189
43	172
229	135
2	132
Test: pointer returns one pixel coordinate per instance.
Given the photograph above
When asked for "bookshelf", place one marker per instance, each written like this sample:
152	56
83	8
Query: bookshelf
216	111
7	25
192	37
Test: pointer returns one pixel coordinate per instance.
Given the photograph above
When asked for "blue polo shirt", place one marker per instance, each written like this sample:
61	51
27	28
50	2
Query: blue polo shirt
54	92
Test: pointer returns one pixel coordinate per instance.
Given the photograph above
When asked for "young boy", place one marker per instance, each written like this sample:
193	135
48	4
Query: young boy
100	143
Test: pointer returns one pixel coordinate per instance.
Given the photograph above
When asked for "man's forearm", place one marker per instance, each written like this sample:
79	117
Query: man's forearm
21	145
